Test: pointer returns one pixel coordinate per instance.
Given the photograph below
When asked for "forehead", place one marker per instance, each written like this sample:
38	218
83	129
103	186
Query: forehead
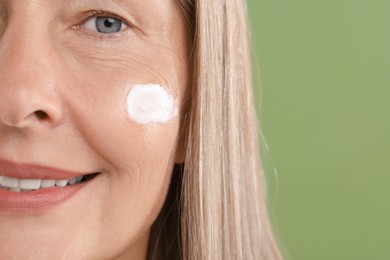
149	7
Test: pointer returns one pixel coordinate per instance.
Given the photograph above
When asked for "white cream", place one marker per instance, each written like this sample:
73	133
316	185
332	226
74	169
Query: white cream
150	103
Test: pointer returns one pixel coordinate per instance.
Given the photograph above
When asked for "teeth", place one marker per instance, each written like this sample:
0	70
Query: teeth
26	185
30	184
61	183
9	182
72	181
47	183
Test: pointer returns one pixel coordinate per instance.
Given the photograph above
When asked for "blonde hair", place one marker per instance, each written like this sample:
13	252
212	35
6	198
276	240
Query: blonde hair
216	206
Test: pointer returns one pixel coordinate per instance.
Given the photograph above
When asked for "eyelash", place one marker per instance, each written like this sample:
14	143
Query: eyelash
101	13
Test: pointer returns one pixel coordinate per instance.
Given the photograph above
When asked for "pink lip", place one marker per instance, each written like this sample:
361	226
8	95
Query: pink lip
30	171
33	201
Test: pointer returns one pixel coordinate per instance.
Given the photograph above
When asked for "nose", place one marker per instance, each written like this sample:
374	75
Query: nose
28	83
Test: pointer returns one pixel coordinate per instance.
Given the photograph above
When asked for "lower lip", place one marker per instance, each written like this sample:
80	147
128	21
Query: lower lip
33	201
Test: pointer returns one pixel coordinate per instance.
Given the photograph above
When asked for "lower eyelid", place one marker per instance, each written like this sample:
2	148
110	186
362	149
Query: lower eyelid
94	36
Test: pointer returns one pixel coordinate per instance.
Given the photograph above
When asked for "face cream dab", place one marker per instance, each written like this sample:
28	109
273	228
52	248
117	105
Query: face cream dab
150	103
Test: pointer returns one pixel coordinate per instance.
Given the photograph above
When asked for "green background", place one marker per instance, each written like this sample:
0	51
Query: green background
324	110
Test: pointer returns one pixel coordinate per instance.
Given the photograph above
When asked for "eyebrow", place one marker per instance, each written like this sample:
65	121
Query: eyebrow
120	4
81	3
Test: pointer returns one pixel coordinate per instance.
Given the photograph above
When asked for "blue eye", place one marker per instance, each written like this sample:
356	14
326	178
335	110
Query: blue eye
104	24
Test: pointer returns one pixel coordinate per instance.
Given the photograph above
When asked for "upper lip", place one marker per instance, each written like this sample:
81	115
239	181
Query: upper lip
31	171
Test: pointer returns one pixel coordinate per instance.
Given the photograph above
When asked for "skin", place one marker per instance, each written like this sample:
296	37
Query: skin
80	79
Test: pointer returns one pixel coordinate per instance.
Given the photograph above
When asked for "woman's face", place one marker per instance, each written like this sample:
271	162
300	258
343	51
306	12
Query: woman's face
66	70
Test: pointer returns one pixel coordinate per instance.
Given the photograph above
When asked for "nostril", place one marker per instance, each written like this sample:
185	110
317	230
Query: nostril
41	115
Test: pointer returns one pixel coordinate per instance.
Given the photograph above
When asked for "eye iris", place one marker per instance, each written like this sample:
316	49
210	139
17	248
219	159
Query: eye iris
108	25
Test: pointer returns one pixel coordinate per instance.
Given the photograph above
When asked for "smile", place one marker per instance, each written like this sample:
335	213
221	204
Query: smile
26	185
31	188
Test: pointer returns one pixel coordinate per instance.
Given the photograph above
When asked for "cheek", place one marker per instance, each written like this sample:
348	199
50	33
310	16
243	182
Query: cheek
132	130
136	157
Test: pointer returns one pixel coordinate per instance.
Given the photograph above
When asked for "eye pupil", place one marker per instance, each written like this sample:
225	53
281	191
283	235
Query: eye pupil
108	25
109	22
